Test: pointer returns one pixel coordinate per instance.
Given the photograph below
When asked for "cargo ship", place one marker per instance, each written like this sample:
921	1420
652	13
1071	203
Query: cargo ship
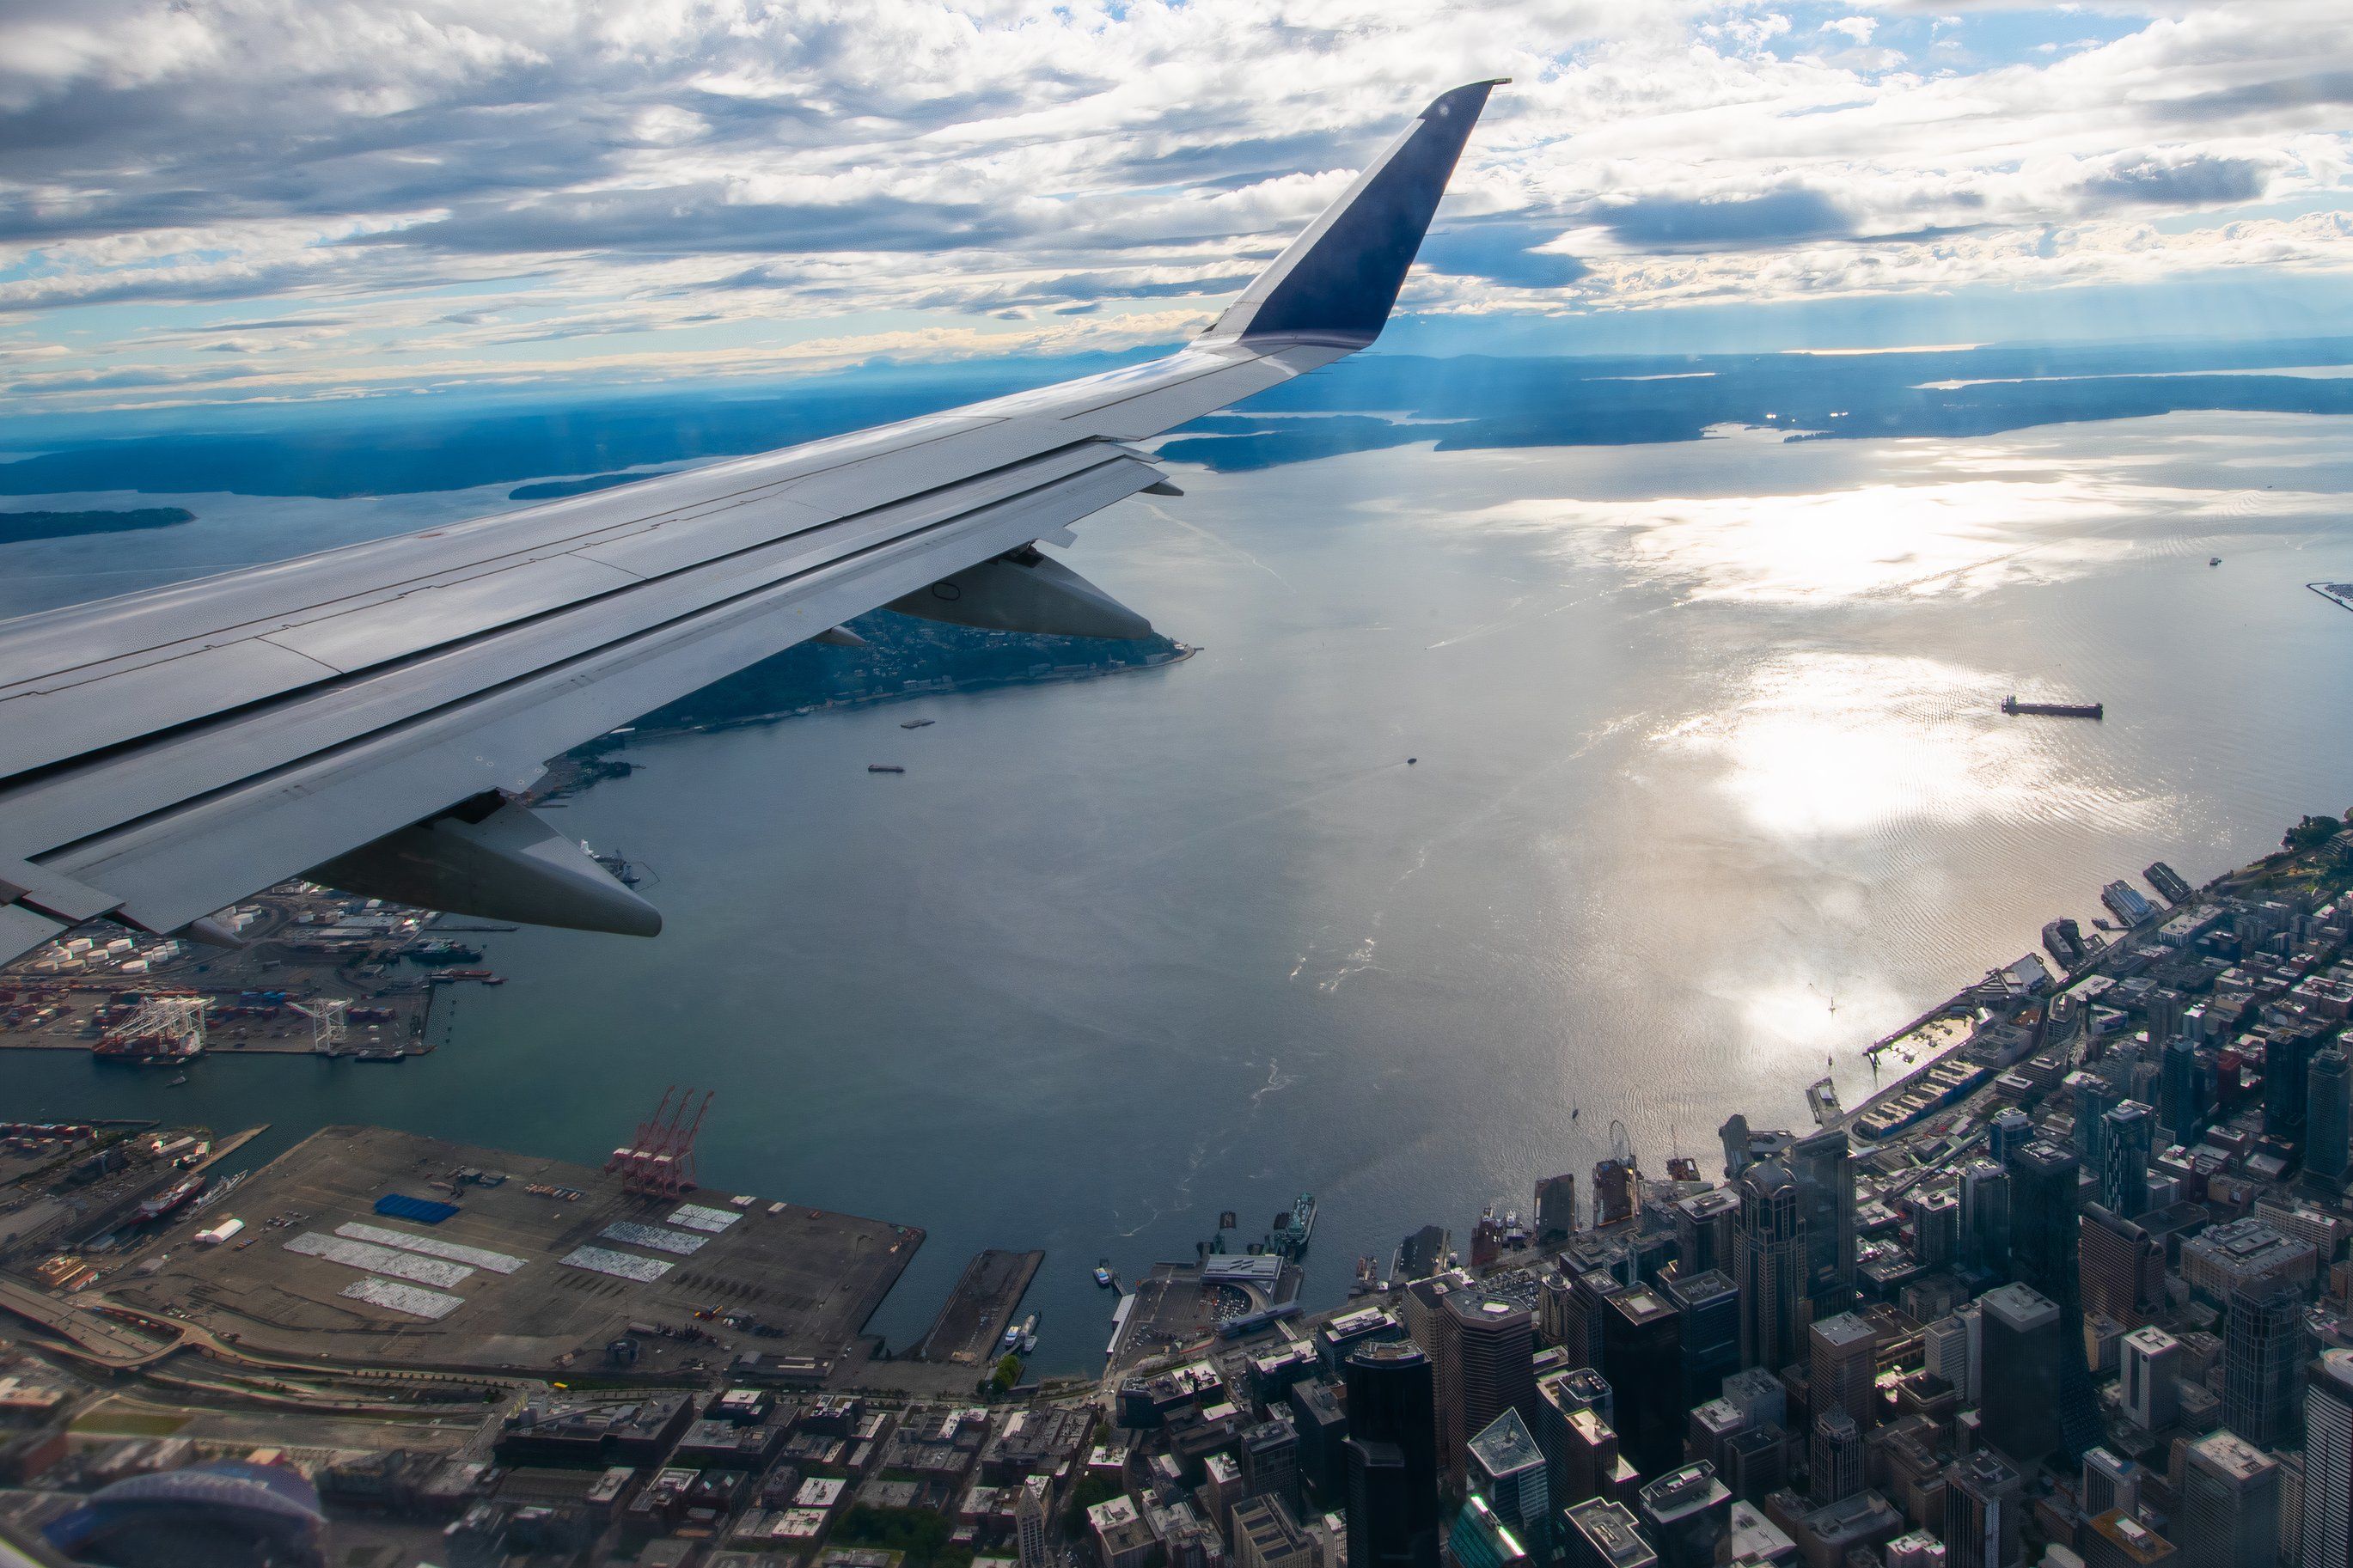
170	1198
444	952
1291	1232
2012	705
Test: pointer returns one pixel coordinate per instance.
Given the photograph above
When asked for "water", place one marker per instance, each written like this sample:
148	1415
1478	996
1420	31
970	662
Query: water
1709	786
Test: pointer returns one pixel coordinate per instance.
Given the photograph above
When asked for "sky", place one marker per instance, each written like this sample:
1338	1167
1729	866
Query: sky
208	202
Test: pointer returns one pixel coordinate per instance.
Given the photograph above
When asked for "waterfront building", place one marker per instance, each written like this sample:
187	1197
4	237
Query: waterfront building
1392	1463
1484	1538
1707	1320
2025	1347
2261	1341
1769	1265
2151	1368
2228	1514
1508	1468
1556	1208
1687	1514
2328	1122
2044	1235
2327	1525
2123	1167
1600	1534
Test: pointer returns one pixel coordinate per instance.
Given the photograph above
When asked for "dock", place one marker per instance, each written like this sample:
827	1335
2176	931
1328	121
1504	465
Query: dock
987	1295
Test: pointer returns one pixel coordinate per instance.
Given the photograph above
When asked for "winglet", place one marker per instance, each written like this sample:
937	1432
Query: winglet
1337	282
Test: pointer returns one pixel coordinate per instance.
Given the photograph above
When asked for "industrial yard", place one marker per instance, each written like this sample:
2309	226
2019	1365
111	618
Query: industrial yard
368	1245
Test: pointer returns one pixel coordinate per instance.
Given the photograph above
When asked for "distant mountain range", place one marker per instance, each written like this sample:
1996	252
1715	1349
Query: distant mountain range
1377	400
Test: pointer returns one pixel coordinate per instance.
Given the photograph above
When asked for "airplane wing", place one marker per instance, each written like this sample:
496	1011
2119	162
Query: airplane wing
365	716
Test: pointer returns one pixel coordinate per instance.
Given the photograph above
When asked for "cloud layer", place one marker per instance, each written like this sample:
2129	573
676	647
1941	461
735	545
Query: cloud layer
274	198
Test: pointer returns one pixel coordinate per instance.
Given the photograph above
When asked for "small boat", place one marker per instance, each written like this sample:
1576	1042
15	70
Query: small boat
915	723
1024	1329
1411	760
884	768
178	1081
2214	561
1103	1274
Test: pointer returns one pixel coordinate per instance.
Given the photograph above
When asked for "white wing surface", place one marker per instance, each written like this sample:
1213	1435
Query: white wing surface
368	714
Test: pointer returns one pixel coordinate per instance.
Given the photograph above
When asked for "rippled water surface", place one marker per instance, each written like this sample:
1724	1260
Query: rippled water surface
1711	785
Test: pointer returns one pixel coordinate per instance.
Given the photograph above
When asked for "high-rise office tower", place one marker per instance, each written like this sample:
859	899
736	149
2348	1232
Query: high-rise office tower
1687	1513
1588	1309
2328	1461
1936	1228
1392	1457
1984	1508
1704	1224
1642	1357
2124	1146
1269	1463
1496	1340
1834	1457
2178	1112
1031	1544
2109	1481
2328	1123
2043	1238
1599	1534
2262	1341
2151	1366
2024	1347
2092	1096
2122	1271
1429	1324
1484	1537
1769	1266
1985	1216
1508	1468
2228	1514
1707	1322
1944	1351
2287	1062
1560	1395
1825	1175
1843	1367
2010	1128
1323	1430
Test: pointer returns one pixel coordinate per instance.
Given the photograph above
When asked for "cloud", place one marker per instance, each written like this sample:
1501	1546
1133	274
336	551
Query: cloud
1772	219
422	181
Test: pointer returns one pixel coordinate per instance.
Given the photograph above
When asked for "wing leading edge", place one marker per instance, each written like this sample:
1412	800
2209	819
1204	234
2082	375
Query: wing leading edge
368	713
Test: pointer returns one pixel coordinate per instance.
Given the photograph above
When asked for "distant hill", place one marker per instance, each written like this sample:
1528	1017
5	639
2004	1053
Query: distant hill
19	527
